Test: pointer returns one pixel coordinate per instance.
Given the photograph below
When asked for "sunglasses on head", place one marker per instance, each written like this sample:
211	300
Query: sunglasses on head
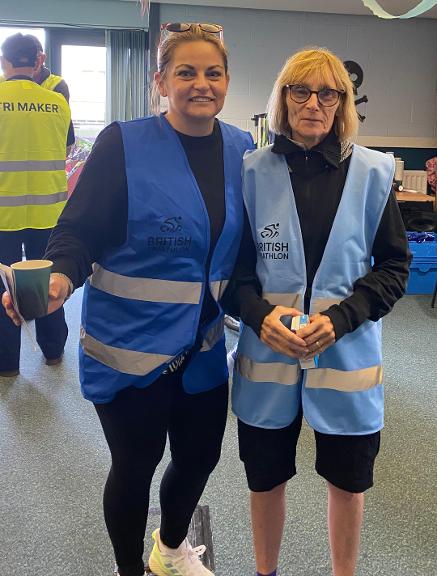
185	26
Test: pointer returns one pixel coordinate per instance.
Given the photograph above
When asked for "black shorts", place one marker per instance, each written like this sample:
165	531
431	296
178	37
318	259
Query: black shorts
269	457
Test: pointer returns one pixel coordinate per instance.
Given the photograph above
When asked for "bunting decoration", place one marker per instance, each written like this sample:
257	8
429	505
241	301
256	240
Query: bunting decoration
422	7
145	7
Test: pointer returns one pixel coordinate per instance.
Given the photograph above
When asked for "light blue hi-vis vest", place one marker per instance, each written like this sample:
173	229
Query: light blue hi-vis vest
142	304
344	394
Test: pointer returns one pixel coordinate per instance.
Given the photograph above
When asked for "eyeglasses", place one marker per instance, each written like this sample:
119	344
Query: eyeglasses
185	26
325	97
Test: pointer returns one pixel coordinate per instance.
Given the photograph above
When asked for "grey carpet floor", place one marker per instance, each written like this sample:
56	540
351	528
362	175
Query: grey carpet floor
54	461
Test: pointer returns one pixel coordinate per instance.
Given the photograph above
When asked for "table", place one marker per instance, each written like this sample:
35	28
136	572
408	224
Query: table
410	196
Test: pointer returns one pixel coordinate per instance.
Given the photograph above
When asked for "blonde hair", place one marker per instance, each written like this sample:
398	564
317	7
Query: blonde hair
166	50
320	64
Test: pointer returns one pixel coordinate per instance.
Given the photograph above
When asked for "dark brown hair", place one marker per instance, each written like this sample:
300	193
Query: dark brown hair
168	46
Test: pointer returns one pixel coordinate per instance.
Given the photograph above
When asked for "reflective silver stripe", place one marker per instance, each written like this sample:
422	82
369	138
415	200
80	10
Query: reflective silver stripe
33	199
127	361
344	381
319	304
218	288
32	165
146	289
214	334
288	299
267	372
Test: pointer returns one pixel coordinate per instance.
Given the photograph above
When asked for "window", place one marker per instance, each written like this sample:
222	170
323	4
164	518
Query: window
38	32
84	70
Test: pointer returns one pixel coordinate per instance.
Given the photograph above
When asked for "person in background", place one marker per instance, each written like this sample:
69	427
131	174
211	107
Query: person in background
33	186
328	241
43	76
159	246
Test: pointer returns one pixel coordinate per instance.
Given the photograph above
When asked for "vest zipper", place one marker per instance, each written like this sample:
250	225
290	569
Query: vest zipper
308	290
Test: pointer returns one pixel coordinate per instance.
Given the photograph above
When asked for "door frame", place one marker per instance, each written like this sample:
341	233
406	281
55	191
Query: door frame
56	37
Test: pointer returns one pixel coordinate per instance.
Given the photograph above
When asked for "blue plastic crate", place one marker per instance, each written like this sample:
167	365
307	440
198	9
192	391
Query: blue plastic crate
423	276
426	249
423	269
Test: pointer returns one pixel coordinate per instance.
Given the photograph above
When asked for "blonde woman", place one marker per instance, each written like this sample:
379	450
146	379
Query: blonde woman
320	208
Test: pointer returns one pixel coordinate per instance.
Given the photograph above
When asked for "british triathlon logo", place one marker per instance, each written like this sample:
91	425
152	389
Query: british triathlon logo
172	224
270	231
172	238
272	250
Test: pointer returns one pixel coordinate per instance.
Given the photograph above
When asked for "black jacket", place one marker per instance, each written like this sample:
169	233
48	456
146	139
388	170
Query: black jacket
318	176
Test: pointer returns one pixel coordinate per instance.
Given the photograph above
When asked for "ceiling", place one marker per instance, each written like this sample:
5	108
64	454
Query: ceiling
395	7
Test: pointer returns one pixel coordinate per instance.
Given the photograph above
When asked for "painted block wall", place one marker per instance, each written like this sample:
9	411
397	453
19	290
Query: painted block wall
107	14
399	60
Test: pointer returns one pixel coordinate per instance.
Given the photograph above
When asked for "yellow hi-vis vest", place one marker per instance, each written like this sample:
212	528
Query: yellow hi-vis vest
33	127
51	82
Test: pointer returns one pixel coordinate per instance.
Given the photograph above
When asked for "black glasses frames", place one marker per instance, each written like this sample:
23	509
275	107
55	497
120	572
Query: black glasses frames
326	96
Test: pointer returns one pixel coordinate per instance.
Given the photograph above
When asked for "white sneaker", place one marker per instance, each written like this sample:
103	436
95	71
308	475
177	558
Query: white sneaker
182	561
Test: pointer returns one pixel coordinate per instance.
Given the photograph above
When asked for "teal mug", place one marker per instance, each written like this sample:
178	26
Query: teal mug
32	287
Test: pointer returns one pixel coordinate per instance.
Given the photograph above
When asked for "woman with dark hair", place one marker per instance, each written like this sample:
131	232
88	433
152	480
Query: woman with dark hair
331	252
155	222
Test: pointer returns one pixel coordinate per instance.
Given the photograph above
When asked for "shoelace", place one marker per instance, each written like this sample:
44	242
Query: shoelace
194	554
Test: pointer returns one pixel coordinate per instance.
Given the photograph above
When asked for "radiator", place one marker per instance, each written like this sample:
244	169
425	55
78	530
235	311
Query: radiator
415	180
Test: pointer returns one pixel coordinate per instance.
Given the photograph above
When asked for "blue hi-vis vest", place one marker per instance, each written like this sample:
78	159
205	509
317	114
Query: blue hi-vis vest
344	394
142	304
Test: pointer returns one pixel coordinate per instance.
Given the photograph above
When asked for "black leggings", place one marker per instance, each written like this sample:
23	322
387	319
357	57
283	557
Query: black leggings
136	424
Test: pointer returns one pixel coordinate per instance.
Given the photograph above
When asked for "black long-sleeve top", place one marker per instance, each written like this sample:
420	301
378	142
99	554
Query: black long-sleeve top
95	217
318	176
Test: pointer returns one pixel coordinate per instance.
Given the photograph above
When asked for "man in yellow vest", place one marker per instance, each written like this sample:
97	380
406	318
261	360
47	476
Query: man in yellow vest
43	76
33	186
